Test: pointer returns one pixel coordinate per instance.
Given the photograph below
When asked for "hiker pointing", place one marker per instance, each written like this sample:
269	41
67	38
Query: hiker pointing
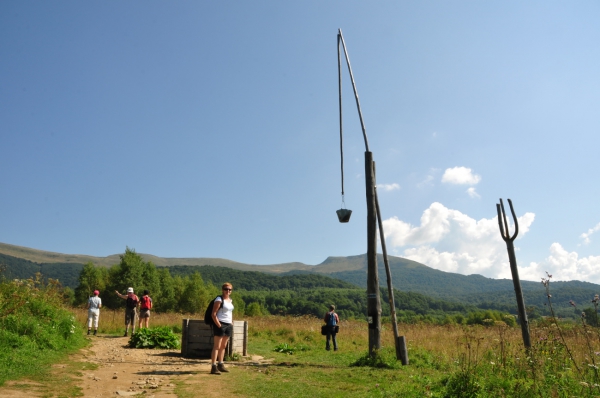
131	304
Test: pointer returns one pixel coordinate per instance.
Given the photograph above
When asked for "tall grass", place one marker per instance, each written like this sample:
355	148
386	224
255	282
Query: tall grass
445	361
113	321
36	328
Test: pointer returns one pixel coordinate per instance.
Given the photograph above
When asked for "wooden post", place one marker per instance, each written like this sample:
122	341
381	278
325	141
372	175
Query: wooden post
388	273
512	259
373	299
403	351
184	337
245	348
519	294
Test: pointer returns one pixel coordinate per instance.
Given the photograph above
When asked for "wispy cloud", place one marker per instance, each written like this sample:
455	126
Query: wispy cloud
586	235
473	193
388	187
428	181
460	176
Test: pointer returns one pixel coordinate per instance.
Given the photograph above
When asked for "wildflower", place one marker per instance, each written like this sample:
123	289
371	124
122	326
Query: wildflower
583	314
492	363
583	383
572	303
591	365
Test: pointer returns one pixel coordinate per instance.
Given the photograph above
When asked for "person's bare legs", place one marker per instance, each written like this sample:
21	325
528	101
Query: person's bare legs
218	353
223	344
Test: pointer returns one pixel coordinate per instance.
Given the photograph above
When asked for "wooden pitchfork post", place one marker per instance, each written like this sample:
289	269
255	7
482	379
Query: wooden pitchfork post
513	267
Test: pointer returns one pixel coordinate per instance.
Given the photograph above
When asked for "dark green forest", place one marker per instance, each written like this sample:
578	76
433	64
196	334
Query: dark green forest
18	268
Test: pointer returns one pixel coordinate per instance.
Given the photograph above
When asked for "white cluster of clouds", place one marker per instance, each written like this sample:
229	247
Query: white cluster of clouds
564	265
451	241
462	176
586	235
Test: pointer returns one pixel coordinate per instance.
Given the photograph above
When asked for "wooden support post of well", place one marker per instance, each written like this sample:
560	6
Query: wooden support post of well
245	349
184	336
403	350
373	299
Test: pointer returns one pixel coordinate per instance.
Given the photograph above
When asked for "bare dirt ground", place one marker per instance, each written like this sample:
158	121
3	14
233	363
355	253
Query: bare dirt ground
122	371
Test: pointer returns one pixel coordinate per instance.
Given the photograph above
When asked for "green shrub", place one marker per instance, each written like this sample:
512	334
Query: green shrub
35	327
160	337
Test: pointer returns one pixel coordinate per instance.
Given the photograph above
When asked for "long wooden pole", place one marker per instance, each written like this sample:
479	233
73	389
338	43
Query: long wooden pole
399	352
373	300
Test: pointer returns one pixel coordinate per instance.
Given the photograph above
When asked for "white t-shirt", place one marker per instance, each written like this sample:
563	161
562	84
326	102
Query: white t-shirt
225	313
95	302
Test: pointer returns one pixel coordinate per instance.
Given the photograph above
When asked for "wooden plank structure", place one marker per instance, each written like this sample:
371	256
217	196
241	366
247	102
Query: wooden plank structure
197	339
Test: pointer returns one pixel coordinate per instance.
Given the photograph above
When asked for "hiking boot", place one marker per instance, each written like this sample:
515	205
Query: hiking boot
221	367
214	370
88	332
95	332
125	335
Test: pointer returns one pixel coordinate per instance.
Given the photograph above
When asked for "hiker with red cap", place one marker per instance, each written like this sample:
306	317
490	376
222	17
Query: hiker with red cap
94	304
131	305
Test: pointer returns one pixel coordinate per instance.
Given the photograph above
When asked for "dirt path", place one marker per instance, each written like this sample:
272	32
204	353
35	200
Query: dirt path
123	371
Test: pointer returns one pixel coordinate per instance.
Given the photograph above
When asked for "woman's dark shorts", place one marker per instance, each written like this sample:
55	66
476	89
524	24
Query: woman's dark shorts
226	329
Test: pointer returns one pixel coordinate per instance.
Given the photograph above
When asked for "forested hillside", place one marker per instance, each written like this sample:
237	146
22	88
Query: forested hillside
427	284
17	268
254	280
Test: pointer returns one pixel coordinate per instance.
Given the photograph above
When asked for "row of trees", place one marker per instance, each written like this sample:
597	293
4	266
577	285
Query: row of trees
311	295
187	294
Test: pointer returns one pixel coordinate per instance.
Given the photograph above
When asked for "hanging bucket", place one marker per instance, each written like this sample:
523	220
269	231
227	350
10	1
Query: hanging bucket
344	215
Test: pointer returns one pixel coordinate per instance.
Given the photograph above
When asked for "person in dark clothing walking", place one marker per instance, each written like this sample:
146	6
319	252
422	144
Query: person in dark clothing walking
331	320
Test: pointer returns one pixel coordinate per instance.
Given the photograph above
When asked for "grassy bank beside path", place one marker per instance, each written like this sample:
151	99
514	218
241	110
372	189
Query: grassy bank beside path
36	329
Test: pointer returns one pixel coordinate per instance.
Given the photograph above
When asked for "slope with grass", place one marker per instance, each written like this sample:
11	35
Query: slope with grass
36	329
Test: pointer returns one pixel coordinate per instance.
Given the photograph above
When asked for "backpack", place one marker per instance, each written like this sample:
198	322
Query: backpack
132	301
331	319
146	303
208	319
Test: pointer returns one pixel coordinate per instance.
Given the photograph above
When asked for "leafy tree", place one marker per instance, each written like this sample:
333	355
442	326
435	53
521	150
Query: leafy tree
90	278
254	309
132	271
196	295
167	300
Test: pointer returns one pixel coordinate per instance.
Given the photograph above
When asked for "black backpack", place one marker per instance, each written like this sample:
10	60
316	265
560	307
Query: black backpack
132	302
208	319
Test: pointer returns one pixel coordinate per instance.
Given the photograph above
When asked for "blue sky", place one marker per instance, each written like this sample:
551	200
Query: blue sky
210	129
